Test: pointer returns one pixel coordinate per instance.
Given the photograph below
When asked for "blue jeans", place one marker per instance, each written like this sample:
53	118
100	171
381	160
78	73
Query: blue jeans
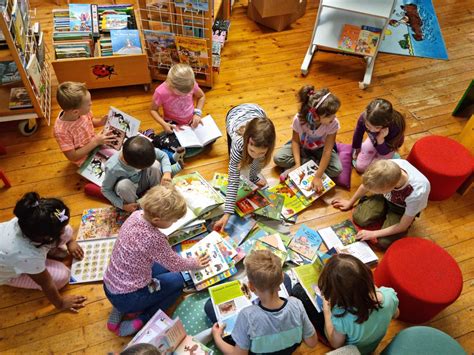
142	300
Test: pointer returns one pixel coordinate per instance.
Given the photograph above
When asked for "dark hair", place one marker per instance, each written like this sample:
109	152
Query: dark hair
139	152
346	282
262	132
141	349
309	98
380	112
41	220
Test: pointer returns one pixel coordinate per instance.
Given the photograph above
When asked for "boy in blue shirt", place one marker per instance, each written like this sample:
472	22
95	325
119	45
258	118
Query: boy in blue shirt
274	325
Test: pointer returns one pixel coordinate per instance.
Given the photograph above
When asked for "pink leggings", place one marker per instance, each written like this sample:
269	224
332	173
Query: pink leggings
367	155
59	272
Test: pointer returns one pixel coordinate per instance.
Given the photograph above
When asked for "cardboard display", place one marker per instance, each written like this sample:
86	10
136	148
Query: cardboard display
278	23
271	8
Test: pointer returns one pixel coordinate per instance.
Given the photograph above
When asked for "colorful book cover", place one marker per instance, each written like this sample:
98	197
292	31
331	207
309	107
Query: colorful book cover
339	235
273	210
80	17
367	42
291	204
114	22
200	196
246	187
93	169
325	256
220	180
186	233
303	176
306	242
237	228
97	223
193	5
161	47
34	72
125	42
19	99
192	51
308	276
9	73
349	37
251	203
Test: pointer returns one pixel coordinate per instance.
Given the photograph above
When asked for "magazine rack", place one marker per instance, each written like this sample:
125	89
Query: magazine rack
183	21
41	97
331	18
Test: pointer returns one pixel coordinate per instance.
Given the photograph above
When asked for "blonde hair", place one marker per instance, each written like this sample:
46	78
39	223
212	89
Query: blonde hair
382	174
163	202
262	132
70	95
264	270
181	78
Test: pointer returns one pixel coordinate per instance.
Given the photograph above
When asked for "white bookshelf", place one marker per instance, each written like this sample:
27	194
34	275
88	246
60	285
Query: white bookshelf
331	18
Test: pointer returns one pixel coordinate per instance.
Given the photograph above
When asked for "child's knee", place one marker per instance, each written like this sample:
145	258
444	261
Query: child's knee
61	275
283	160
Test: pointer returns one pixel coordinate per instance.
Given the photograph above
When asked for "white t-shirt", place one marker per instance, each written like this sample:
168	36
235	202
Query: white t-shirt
414	195
17	253
314	139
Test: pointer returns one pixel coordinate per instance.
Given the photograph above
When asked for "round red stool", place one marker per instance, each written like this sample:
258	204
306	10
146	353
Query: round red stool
426	278
445	163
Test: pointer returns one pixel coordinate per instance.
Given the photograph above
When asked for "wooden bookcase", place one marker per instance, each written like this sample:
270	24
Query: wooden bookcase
178	18
105	72
40	99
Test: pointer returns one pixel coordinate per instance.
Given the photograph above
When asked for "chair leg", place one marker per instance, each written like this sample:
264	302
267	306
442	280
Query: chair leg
5	180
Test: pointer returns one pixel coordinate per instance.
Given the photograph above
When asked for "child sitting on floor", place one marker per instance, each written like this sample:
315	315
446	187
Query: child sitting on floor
133	170
385	129
400	194
176	96
314	136
27	241
354	310
274	325
74	127
143	274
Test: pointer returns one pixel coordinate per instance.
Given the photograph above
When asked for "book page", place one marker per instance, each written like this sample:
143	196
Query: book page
123	121
187	218
187	138
361	251
153	329
207	131
308	276
330	238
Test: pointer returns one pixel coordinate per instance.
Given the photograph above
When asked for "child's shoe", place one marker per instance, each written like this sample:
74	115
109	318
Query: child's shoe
129	327
396	156
150	133
178	155
115	317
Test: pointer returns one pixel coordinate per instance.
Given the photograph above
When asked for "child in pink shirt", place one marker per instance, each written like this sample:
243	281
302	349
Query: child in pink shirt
143	274
74	127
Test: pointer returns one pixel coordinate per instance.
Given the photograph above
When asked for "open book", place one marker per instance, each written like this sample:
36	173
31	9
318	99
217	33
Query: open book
99	223
303	176
308	276
341	236
169	336
200	136
229	298
306	242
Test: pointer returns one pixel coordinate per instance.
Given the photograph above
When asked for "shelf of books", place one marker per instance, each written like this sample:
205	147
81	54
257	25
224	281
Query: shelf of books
99	45
25	90
184	31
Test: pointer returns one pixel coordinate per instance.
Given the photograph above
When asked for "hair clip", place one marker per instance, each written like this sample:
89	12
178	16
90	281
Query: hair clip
322	100
61	215
36	204
311	92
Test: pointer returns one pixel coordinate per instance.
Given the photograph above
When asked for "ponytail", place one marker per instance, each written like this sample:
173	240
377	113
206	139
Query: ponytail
399	120
322	102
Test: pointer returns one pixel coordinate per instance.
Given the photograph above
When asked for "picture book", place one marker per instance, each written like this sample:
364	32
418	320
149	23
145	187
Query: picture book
291	203
114	21
189	231
273	210
80	18
218	263
19	99
193	5
342	237
220	181
251	203
237	228
308	276
34	72
121	125
303	176
192	51
202	135
361	40
229	298
181	223
93	168
199	195
260	231
96	258
325	256
168	336
9	73
306	242
259	244
125	42
349	37
246	187
99	223
161	47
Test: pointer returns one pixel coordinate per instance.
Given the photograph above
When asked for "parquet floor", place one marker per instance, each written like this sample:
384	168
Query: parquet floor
261	66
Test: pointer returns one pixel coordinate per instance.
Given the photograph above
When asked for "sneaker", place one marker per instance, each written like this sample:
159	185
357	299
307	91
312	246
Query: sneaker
178	155
150	133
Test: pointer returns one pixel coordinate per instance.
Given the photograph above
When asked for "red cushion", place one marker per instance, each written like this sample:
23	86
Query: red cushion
426	278
93	190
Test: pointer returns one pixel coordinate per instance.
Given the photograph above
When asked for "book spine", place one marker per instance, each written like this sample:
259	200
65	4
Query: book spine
95	21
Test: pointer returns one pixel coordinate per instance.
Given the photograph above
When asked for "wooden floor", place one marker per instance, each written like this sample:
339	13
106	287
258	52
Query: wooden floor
259	66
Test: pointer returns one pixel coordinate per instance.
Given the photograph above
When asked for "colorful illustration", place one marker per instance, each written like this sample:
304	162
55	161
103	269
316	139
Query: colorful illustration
161	47
99	223
306	242
413	30
346	232
273	210
192	51
303	176
125	42
80	18
193	5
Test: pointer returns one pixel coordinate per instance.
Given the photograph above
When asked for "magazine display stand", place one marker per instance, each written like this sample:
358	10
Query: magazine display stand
40	97
185	20
105	71
331	18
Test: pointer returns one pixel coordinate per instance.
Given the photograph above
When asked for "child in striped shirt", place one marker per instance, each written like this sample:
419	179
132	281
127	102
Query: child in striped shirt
250	139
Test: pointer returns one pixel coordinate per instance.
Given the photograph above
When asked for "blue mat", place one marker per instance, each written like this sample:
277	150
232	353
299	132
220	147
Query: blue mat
413	30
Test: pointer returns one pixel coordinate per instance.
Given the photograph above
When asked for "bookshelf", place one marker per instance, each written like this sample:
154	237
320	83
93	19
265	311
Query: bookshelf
183	21
21	55
331	18
99	71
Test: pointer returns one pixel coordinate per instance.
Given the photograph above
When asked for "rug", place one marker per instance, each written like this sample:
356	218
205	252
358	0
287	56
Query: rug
413	30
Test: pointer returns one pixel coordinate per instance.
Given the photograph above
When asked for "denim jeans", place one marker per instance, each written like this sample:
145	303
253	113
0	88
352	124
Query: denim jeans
142	300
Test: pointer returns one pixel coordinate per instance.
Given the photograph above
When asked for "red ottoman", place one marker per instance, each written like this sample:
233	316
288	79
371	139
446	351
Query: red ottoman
427	279
445	162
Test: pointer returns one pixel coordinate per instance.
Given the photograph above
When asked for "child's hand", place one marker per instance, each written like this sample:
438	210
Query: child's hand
168	127
166	178
73	302
103	120
196	121
366	235
381	135
342	204
203	260
105	137
217	330
75	250
262	182
130	207
220	224
317	184
355	154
